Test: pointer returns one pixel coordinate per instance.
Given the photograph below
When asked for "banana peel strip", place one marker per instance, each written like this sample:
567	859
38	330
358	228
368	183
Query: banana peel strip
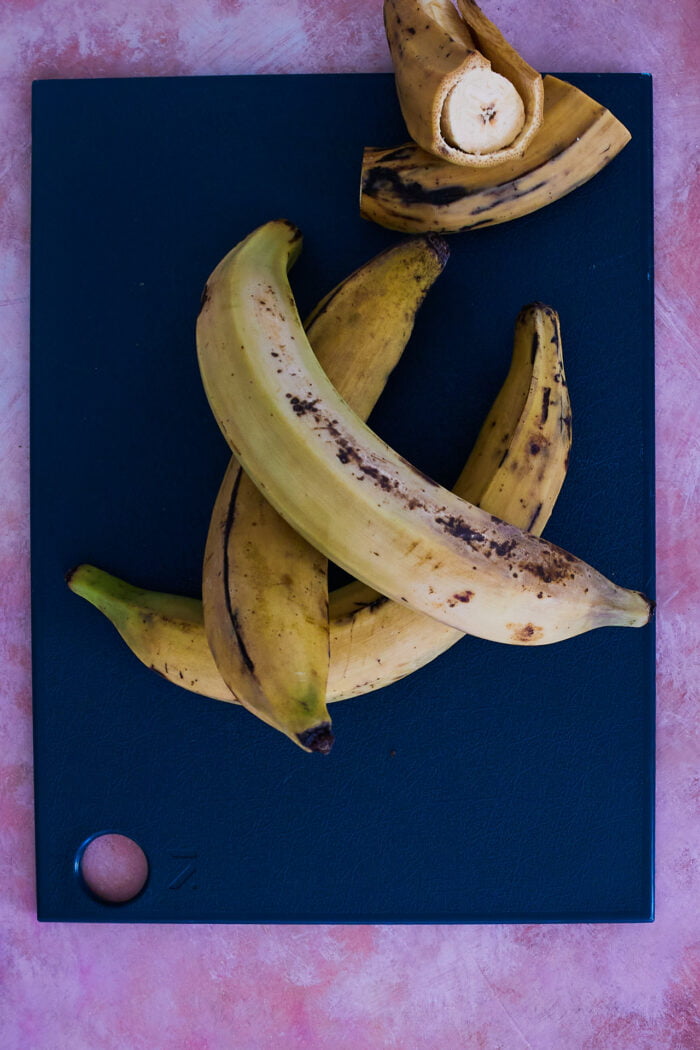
405	188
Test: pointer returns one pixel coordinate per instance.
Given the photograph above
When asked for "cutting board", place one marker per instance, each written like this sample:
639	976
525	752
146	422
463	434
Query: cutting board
497	784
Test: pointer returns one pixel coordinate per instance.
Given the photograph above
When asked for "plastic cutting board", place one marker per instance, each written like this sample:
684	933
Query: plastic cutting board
498	784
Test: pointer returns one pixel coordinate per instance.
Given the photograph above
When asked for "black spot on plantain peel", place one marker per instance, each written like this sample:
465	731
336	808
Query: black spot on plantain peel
439	246
320	738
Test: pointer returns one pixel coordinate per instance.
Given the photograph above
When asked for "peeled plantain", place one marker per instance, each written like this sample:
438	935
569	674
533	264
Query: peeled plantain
466	94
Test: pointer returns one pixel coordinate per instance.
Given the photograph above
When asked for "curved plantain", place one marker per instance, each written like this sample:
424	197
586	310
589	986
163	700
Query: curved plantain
515	471
264	588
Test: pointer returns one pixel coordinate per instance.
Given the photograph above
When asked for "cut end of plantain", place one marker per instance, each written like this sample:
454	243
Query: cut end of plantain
466	95
651	609
440	248
320	738
482	113
96	585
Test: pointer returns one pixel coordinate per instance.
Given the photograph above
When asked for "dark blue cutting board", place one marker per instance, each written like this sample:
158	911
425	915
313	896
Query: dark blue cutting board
498	784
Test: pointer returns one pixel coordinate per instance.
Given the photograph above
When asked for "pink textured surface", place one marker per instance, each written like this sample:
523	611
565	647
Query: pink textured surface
214	988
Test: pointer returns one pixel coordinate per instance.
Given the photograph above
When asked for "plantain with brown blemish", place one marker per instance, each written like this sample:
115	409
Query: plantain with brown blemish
374	641
370	512
408	189
264	588
507	457
466	94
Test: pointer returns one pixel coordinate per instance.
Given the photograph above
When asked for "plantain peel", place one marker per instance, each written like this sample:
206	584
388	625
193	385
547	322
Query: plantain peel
408	189
466	95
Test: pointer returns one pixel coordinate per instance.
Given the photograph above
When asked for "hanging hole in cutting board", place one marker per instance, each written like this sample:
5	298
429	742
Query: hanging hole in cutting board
112	867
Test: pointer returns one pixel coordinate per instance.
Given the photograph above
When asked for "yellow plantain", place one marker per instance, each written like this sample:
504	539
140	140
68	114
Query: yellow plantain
264	588
515	471
506	450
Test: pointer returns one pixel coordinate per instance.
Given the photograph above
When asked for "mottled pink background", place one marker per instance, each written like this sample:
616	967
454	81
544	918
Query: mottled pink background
634	987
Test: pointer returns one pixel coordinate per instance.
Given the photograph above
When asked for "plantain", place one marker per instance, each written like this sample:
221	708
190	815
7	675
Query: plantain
528	424
354	498
264	588
518	463
515	471
265	606
408	189
466	94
